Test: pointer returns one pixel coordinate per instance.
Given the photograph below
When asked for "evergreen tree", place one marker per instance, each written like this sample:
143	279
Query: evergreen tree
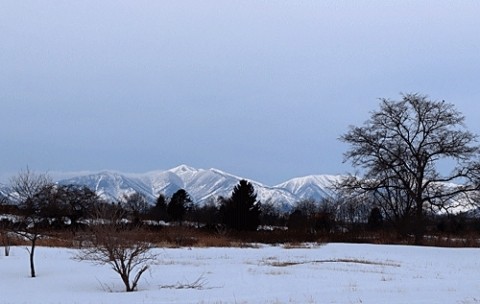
179	204
159	211
241	211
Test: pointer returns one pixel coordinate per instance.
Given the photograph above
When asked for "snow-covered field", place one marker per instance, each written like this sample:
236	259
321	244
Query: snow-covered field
333	273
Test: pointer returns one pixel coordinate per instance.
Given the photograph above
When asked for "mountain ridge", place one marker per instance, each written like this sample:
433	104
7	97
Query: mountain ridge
202	185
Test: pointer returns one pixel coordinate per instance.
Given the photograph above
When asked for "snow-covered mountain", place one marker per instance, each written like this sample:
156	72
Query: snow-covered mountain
202	185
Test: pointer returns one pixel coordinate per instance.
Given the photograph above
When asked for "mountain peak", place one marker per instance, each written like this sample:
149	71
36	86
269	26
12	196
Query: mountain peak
183	169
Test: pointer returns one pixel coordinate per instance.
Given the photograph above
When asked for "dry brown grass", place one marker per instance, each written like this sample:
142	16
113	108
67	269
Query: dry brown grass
15	240
183	236
56	242
346	261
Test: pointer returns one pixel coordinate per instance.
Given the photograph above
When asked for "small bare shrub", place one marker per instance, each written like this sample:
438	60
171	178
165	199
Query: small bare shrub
122	247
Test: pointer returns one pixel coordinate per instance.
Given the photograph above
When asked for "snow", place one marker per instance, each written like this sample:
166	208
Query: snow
333	273
312	186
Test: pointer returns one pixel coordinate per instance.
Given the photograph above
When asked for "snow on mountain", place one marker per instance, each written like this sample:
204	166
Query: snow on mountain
316	187
112	185
201	184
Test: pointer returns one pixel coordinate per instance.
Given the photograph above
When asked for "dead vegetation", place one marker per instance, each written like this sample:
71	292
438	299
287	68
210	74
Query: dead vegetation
275	263
200	284
179	237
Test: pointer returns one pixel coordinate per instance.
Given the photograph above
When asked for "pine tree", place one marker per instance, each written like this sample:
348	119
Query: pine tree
179	204
241	211
159	211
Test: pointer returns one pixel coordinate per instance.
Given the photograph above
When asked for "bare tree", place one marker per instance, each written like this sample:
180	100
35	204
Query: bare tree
77	203
27	187
136	206
303	215
400	148
121	246
352	210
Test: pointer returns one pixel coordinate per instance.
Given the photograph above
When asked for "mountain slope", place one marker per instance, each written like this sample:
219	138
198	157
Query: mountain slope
316	187
201	184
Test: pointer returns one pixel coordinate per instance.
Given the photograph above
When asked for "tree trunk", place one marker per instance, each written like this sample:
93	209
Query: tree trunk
6	243
126	281
419	223
32	253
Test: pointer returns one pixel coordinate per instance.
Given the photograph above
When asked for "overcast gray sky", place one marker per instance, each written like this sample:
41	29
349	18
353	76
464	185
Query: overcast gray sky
261	89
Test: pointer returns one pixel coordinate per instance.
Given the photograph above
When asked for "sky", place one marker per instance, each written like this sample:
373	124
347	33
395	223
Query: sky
260	89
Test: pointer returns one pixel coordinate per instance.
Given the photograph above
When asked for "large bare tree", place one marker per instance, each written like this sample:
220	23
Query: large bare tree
403	152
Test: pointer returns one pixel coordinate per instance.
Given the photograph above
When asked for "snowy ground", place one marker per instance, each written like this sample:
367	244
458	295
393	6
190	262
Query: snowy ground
334	273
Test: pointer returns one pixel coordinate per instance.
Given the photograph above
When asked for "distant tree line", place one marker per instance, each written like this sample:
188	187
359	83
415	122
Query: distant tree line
39	205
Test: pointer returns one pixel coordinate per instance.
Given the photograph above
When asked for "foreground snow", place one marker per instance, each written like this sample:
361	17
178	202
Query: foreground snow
334	273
